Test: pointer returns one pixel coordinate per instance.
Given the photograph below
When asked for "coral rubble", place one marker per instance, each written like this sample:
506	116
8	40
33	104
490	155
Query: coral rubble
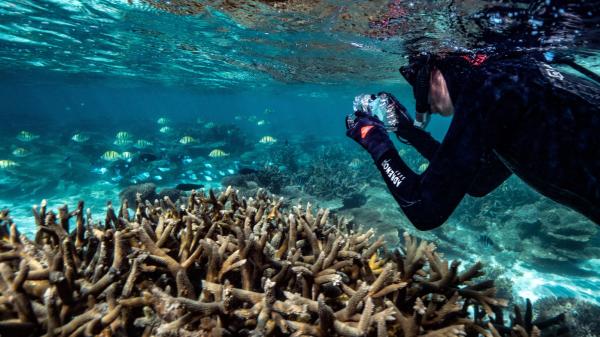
223	265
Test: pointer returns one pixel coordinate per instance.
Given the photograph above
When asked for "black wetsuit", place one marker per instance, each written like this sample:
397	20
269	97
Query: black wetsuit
516	116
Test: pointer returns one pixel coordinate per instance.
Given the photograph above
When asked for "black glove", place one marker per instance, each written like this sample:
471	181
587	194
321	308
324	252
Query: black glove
370	133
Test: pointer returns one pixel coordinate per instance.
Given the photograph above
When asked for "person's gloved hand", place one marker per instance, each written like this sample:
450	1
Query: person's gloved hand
370	133
397	118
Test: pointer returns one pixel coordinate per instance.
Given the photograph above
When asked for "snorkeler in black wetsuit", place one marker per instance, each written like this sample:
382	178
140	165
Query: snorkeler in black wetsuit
511	115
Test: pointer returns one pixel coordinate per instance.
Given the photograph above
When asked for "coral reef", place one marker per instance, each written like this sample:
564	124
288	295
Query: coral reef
503	284
354	200
171	193
222	265
287	155
269	177
239	181
272	178
513	193
328	177
581	317
515	223
235	140
146	191
552	232
523	324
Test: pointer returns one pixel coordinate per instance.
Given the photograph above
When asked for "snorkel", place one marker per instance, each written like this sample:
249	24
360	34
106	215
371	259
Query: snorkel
417	73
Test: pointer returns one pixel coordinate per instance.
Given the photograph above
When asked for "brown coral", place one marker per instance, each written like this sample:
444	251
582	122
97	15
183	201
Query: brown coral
222	265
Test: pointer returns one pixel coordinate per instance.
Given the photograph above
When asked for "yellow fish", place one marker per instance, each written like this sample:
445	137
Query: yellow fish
123	135
163	121
6	164
20	152
126	155
267	140
111	156
26	136
165	129
80	138
423	167
217	153
142	143
376	264
186	140
122	142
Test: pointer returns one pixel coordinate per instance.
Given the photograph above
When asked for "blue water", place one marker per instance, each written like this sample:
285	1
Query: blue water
101	67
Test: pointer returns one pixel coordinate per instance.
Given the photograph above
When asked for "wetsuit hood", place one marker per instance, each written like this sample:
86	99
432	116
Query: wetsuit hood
454	68
456	71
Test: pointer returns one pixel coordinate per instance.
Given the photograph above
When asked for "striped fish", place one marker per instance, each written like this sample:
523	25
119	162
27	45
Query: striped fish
26	136
20	152
111	156
7	163
186	140
122	142
80	138
267	140
163	121
123	135
217	153
142	144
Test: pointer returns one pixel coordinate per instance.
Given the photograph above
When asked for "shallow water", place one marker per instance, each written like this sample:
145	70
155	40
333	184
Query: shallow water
227	78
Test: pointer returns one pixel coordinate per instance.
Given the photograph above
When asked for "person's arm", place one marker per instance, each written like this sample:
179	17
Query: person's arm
491	174
427	199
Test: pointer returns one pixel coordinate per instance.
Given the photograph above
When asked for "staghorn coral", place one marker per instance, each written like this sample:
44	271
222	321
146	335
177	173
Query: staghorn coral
223	265
504	284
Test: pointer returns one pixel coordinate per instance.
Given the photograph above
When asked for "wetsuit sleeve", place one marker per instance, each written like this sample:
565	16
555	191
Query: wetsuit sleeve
490	175
421	140
429	199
